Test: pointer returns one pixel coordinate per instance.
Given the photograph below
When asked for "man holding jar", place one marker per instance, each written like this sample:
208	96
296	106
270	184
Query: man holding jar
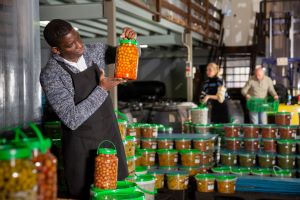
77	90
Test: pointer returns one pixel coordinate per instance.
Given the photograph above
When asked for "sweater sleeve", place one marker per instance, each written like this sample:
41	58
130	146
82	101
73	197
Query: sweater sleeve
61	99
246	88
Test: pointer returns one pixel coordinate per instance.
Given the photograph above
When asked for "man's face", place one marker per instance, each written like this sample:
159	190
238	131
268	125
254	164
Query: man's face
71	46
260	74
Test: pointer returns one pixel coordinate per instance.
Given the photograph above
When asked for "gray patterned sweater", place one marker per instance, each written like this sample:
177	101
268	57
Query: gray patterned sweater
58	87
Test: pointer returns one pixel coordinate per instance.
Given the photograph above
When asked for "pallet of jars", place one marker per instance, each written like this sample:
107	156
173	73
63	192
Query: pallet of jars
27	168
261	159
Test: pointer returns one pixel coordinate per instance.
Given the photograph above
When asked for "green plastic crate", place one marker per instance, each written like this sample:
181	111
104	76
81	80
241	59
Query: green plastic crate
262	105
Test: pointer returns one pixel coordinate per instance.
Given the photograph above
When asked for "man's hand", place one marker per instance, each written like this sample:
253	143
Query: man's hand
276	97
108	83
205	99
128	33
248	96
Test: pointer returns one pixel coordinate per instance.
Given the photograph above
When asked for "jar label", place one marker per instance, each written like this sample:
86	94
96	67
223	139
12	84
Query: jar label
154	146
273	162
234	161
175	159
210	187
152	159
132	134
171	147
197	161
293	149
155	133
254	162
186	182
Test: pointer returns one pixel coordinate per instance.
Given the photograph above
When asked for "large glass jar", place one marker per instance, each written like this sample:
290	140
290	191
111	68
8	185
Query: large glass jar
129	146
122	127
127	59
46	165
106	169
17	174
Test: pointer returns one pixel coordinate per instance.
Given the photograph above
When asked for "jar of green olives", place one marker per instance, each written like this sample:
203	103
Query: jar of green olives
17	174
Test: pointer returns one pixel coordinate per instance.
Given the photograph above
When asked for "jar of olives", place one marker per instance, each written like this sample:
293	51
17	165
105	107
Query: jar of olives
228	158
247	159
177	180
190	157
159	179
286	146
251	144
148	157
226	184
269	131
182	143
127	59
167	157
129	146
233	143
286	161
283	118
149	143
232	130
205	182
269	145
204	144
106	168
149	131
122	127
250	130
131	130
266	160
287	132
131	165
18	180
165	143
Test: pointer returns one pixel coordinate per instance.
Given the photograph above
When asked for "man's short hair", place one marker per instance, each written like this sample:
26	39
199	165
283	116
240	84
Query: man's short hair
55	31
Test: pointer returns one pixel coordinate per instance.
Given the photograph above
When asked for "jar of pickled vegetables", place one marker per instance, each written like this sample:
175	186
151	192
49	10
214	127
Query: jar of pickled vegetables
226	184
138	158
127	59
131	165
18	179
106	169
269	145
177	180
122	127
266	160
159	179
269	131
250	130
204	144
131	130
129	146
228	158
251	144
233	143
182	143
165	143
206	157
148	157
46	166
232	130
221	170
247	159
167	157
283	118
148	143
148	131
205	182
190	157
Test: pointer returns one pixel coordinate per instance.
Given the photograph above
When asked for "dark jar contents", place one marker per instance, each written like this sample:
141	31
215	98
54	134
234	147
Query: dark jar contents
250	131
271	118
251	144
287	132
232	130
269	145
228	158
266	160
269	131
247	159
286	146
233	143
283	118
286	161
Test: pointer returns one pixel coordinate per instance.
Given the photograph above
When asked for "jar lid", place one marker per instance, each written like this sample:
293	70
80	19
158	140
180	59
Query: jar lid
35	143
231	125
132	125
146	126
145	178
168	167
10	152
268	126
167	151
147	150
266	154
182	139
268	139
205	177
227	152
141	169
250	125
107	151
202	125
247	154
222	170
286	156
200	108
148	139
226	178
283	113
282	172
189	151
240	170
251	139
218	125
128	41
166	139
203	139
284	141
122	121
156	173
177	173
288	127
130	138
232	138
261	171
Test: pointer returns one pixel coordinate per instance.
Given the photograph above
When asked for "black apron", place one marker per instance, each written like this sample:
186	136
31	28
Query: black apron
79	146
219	112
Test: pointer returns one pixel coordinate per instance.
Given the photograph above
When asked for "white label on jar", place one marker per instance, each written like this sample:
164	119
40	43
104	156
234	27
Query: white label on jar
207	147
268	160
294	135
204	157
171	147
152	159
293	149
154	146
132	134
210	187
155	133
197	161
175	159
234	161
273	162
186	182
294	163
